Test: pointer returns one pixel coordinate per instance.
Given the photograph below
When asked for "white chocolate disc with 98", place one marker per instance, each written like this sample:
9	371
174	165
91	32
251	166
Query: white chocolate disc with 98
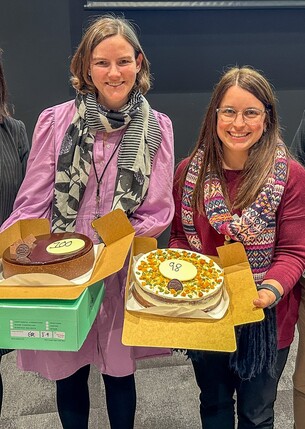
178	269
63	247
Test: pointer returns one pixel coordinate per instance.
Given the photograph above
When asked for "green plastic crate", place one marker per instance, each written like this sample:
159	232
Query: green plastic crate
61	325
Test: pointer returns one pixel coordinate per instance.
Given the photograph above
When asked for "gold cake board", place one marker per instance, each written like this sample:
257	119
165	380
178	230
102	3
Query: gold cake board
200	334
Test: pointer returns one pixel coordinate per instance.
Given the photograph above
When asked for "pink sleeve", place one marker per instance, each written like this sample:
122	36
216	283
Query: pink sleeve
289	257
156	212
35	195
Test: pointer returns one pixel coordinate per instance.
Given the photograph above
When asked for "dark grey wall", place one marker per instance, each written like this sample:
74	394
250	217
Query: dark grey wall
35	37
188	50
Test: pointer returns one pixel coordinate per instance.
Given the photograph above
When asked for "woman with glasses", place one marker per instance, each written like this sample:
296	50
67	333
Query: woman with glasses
240	184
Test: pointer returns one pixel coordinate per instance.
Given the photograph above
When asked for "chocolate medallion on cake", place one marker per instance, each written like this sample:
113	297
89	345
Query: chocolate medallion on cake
175	284
22	251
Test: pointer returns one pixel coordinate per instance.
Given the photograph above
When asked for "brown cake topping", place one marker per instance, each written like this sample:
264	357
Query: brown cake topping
21	249
67	255
175	284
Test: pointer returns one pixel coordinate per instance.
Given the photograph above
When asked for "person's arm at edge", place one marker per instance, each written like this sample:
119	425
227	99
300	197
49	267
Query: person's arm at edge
298	144
36	191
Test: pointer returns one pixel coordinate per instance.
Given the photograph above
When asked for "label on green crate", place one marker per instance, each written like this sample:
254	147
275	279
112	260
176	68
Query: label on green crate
32	329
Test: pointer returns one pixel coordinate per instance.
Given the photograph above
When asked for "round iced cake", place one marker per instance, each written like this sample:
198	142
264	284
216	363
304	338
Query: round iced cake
68	255
179	277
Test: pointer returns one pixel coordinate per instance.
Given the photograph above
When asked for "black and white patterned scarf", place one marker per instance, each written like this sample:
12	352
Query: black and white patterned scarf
138	147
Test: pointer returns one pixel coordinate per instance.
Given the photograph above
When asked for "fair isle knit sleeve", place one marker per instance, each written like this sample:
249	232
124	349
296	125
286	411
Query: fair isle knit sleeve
288	262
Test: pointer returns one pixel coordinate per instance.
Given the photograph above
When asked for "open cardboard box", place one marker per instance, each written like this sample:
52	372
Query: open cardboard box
142	329
44	312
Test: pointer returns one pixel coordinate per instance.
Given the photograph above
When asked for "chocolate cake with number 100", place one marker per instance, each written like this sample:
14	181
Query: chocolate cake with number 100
68	255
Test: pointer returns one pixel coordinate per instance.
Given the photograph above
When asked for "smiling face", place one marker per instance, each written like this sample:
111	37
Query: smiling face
238	137
113	70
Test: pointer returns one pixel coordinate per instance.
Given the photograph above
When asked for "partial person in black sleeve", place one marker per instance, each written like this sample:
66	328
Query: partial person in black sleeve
14	150
298	149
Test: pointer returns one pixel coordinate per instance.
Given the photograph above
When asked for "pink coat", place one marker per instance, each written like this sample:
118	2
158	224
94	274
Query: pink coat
103	346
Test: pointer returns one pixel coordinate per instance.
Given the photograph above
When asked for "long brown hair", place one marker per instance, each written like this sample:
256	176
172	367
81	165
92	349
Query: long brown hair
102	28
261	155
3	92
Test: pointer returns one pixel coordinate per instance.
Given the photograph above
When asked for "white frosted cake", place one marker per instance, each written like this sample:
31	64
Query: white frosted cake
177	277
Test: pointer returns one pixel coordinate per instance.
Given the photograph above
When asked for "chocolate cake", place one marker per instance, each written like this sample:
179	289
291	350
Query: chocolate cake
68	255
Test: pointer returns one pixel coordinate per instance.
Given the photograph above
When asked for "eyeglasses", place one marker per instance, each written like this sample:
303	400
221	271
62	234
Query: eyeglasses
250	116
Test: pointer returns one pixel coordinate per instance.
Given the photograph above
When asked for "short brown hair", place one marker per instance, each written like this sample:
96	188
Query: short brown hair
102	28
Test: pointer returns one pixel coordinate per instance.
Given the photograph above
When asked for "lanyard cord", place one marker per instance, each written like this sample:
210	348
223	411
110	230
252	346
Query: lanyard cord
99	179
